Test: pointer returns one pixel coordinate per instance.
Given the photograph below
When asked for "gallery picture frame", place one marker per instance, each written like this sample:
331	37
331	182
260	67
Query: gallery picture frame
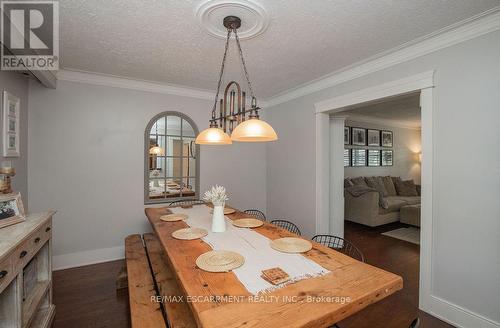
358	157
358	136
373	137
387	138
347	135
11	125
374	157
387	157
11	209
347	157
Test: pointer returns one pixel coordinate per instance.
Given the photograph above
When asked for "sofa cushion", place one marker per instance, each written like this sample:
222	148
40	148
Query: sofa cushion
389	186
411	200
376	183
406	188
348	183
360	181
393	203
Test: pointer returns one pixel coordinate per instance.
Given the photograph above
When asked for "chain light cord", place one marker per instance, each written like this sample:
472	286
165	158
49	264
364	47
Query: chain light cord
229	31
245	68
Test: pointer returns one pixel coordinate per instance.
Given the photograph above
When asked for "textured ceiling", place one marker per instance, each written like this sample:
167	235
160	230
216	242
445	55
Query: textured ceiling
160	40
402	109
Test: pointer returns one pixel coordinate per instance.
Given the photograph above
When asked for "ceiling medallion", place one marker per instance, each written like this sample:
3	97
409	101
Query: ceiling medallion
233	117
254	17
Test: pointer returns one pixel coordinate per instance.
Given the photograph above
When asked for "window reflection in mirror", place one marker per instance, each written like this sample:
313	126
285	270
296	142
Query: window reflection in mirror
172	161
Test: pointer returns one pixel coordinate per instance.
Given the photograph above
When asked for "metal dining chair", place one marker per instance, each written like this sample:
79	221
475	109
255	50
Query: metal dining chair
287	225
258	214
186	202
341	245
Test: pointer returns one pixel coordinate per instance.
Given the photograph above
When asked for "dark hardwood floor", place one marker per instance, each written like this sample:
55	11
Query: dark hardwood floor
86	296
401	258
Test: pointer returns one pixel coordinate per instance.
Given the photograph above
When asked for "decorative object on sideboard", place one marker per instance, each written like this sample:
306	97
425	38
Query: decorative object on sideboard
387	138
358	136
11	209
232	116
6	173
11	125
217	195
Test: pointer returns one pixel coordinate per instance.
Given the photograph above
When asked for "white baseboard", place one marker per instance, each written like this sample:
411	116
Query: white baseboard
72	260
458	316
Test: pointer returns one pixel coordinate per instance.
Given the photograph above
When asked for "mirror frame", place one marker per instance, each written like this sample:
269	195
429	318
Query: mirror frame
147	133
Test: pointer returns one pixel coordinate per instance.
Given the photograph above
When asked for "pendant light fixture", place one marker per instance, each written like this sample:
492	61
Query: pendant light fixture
232	116
156	149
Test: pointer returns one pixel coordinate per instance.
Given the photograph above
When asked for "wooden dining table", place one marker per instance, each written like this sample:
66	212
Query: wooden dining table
221	300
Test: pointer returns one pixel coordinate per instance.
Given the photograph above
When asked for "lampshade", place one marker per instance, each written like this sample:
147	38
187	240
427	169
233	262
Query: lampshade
254	130
213	136
156	150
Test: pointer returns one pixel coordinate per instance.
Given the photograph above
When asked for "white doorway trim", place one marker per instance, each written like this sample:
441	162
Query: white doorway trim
423	83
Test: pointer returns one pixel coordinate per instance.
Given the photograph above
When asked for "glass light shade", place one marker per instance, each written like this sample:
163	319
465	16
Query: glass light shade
156	150
254	130
213	136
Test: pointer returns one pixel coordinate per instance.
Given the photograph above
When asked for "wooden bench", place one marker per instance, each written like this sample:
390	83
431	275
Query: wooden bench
179	314
149	276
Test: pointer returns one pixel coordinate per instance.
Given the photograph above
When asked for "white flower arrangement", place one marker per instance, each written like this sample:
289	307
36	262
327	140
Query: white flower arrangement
216	195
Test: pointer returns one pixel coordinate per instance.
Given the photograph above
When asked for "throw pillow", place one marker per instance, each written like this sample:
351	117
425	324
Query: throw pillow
389	186
377	184
360	181
382	186
348	183
406	188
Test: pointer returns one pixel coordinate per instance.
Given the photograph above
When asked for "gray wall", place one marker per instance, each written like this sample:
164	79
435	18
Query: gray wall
86	161
18	85
406	145
466	170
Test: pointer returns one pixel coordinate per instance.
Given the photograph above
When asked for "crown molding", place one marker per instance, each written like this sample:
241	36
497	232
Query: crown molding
473	27
381	121
470	28
405	85
134	84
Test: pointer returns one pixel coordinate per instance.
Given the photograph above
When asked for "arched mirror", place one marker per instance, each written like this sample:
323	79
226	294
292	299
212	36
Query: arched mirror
171	159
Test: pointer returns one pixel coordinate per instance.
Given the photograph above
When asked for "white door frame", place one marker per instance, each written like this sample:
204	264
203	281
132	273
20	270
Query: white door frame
423	83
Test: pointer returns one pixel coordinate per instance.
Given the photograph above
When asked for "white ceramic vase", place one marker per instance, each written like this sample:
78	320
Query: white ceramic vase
218	219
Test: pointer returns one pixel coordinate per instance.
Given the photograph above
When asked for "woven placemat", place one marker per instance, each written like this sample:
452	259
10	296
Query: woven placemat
227	210
173	217
189	233
291	245
219	261
248	223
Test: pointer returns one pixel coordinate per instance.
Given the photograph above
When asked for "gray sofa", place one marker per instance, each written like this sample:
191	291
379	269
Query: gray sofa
374	201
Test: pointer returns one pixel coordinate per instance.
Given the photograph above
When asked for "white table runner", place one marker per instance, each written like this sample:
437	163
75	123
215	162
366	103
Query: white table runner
255	248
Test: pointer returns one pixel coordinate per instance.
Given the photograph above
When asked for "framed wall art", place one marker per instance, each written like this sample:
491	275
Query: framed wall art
10	115
347	135
358	136
387	157
347	157
373	138
358	157
387	138
373	157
